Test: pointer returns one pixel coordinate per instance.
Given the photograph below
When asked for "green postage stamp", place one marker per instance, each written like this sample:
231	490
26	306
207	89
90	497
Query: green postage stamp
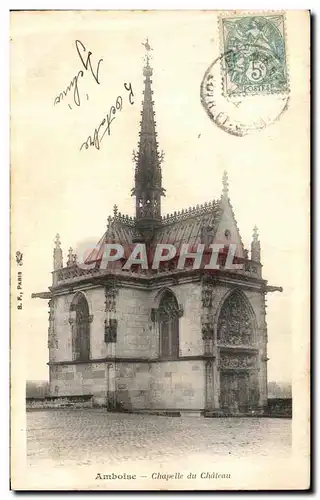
254	52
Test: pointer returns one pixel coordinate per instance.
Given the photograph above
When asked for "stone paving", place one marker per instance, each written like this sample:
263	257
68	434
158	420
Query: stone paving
86	437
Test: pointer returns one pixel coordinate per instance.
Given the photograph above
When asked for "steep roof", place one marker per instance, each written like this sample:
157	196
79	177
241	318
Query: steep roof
189	226
192	226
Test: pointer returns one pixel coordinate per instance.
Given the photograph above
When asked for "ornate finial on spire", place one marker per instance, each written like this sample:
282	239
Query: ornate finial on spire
115	210
57	241
147	70
109	220
70	257
147	45
255	246
225	184
57	256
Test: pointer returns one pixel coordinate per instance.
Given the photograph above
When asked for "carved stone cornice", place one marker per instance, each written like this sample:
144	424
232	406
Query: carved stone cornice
237	361
123	359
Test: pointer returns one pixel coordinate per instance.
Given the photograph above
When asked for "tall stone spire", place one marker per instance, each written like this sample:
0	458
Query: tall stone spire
148	177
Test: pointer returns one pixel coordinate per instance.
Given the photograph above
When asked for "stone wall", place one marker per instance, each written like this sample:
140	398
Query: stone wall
132	386
138	336
79	379
178	385
96	300
63	329
134	337
141	385
164	385
168	385
189	296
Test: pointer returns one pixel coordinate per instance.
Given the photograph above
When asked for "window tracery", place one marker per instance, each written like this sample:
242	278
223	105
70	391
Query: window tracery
80	328
168	317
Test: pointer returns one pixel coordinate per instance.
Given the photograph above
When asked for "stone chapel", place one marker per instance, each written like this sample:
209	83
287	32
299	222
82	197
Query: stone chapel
169	340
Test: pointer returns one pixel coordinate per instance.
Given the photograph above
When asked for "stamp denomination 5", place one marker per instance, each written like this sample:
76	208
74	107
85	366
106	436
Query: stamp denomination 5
246	88
255	59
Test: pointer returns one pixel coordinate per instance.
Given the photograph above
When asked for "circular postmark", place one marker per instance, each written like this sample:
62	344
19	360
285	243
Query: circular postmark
246	88
241	113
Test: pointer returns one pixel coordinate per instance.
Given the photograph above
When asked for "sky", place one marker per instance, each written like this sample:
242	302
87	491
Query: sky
56	188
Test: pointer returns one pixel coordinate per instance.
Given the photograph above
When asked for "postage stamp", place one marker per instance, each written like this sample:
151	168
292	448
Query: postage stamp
255	59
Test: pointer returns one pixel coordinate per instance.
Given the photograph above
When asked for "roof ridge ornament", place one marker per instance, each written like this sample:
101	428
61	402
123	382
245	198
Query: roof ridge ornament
70	257
205	208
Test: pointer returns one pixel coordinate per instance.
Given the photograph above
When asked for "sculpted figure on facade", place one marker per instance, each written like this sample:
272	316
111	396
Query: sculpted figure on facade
235	324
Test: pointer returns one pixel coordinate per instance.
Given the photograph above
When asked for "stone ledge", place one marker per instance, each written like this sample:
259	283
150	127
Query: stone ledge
59	402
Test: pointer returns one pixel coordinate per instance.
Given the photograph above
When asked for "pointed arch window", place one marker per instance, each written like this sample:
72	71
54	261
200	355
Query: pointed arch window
235	324
81	329
168	317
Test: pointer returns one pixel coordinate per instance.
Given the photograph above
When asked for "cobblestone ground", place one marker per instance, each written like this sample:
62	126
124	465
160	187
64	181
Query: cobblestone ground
84	437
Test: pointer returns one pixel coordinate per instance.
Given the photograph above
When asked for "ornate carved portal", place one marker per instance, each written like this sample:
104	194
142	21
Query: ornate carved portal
238	356
239	391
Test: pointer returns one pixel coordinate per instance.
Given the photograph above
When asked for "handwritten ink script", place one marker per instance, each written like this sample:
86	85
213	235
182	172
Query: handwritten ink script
104	126
85	58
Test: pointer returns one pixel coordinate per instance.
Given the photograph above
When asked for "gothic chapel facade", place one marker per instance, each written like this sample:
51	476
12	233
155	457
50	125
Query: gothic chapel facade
166	340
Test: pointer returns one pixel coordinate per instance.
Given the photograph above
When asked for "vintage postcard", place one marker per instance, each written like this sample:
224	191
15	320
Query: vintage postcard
160	250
